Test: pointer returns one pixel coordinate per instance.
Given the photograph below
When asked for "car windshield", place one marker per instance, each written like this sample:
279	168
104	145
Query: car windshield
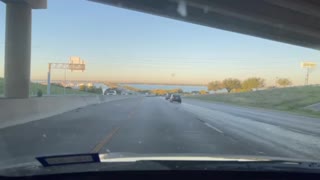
171	78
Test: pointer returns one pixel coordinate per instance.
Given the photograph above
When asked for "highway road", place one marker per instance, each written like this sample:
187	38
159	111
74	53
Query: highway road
152	125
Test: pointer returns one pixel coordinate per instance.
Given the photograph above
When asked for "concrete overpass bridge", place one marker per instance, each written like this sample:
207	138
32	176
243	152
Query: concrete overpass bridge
289	21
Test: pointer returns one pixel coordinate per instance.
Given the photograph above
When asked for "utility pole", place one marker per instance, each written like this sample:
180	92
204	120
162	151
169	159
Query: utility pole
65	81
306	81
49	79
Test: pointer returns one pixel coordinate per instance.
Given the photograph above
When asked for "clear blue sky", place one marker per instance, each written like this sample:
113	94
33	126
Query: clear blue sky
123	45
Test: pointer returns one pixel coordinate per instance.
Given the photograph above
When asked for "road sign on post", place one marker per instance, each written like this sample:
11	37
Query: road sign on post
309	66
75	64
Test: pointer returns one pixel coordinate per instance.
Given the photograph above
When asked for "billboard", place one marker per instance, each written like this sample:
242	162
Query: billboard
308	64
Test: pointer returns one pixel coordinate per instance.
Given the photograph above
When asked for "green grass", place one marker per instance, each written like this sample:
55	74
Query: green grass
55	90
292	99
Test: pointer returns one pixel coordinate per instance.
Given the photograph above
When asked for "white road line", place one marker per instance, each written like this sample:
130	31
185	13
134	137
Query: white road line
212	127
292	129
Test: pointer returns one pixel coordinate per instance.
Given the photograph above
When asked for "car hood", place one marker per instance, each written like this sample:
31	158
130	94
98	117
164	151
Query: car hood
133	157
131	161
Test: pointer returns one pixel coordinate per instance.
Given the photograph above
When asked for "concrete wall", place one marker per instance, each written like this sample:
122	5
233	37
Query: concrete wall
19	111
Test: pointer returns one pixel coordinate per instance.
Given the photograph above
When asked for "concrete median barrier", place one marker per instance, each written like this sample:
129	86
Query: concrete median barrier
19	111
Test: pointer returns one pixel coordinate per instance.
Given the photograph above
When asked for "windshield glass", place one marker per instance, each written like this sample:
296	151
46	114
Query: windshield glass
82	76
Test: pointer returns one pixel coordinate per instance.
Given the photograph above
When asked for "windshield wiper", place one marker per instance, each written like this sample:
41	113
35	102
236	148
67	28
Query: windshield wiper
273	165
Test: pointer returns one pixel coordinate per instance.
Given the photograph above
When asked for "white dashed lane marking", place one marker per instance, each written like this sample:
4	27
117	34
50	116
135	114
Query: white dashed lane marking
212	127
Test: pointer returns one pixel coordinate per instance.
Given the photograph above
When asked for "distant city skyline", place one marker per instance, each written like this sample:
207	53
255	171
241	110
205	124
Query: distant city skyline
120	45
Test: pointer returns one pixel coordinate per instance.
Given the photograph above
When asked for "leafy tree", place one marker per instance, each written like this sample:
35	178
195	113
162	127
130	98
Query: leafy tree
215	85
172	91
252	83
91	89
231	84
82	87
159	91
283	82
179	91
203	92
132	89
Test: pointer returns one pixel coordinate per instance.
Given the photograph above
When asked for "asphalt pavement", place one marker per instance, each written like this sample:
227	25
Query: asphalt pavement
152	125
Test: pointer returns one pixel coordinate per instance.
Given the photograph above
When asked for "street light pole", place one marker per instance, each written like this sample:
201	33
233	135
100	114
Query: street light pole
65	81
306	82
49	79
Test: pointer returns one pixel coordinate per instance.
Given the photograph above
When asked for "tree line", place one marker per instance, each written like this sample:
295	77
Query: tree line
91	89
164	91
232	84
155	91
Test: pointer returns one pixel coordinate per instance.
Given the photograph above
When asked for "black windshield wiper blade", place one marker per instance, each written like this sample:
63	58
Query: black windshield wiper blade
274	165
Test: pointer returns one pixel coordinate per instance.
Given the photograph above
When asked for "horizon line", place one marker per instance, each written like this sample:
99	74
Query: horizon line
127	82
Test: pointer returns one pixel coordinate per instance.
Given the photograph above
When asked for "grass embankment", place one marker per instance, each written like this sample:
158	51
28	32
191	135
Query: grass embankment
55	90
292	99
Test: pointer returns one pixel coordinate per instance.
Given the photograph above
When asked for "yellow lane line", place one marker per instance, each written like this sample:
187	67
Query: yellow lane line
105	141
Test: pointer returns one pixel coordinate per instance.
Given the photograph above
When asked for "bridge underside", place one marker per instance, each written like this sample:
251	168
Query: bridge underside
290	21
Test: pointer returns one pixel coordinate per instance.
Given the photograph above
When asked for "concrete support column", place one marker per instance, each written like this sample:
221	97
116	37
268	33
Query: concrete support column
17	49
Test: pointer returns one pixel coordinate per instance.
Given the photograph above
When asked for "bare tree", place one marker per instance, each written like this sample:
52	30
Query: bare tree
214	86
283	82
252	83
231	84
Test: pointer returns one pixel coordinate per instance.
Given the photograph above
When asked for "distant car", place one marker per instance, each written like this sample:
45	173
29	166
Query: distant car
112	93
168	96
176	98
